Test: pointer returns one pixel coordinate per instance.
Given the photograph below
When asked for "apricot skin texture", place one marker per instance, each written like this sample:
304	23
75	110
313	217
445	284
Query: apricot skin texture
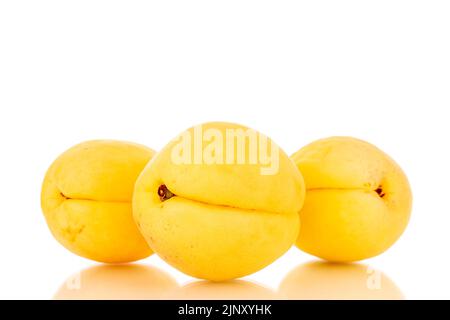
358	200
224	221
86	200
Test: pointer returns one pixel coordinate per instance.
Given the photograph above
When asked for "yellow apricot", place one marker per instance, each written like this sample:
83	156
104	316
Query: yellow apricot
220	201
86	200
358	200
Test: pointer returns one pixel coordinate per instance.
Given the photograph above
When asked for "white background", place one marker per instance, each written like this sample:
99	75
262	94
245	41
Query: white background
295	70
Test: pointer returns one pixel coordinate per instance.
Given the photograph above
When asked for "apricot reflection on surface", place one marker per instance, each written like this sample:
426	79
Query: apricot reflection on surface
236	289
110	282
323	280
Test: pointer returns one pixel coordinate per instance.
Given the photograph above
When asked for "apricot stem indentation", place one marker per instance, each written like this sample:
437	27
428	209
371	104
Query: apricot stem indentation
380	192
164	193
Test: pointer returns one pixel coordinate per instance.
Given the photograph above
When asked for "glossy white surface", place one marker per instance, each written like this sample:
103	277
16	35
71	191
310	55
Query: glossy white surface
296	71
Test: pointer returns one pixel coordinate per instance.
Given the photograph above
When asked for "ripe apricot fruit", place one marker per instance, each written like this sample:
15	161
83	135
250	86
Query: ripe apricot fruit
86	200
220	201
358	200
